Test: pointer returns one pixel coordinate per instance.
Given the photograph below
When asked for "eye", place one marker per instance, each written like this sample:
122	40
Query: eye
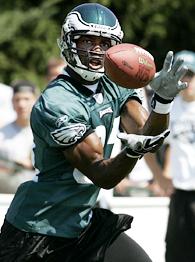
84	41
87	41
106	44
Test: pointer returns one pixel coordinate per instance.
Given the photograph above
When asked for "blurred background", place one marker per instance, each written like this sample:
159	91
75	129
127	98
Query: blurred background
29	30
28	48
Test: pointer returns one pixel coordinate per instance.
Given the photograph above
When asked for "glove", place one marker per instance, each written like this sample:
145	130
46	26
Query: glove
166	83
138	145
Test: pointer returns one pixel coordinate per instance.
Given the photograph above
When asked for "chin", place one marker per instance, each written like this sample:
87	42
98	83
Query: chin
89	82
79	78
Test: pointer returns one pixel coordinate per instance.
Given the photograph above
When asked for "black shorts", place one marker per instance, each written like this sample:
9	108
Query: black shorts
20	246
180	236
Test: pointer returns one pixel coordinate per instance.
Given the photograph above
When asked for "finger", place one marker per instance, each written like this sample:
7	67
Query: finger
166	133
168	61
152	142
182	85
181	73
176	66
159	141
156	146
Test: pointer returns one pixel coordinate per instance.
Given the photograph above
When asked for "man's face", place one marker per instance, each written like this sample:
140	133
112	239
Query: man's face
95	47
23	103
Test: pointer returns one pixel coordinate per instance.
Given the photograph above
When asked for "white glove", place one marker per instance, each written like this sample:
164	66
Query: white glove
138	145
166	83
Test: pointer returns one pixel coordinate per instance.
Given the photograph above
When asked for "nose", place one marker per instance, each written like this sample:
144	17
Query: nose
97	46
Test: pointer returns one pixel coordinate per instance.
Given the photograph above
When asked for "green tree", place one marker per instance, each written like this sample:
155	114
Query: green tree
29	30
28	39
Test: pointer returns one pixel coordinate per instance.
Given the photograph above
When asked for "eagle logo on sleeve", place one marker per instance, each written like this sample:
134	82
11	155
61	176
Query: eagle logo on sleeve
68	135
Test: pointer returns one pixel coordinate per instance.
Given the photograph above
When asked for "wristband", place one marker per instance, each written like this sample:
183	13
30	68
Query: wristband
160	105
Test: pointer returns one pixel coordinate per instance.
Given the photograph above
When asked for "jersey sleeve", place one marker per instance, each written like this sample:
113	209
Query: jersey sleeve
60	122
123	94
127	94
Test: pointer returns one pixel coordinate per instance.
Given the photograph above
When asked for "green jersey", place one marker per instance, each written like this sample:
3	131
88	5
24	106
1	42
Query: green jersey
59	201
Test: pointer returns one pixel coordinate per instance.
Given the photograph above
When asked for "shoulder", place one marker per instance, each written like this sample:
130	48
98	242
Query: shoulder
120	91
57	89
59	96
8	129
59	105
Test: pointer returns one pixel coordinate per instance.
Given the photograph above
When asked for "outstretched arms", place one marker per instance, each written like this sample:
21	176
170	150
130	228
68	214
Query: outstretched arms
87	156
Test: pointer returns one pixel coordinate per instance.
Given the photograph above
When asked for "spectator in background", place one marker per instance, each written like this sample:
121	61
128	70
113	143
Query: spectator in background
16	140
7	114
55	66
180	165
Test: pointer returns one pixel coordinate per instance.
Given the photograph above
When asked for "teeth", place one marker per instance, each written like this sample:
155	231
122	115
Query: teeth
96	62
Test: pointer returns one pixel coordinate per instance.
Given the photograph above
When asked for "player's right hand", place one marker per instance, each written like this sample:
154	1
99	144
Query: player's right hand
138	145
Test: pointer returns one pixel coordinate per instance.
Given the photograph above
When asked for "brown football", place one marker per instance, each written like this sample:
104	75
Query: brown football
129	65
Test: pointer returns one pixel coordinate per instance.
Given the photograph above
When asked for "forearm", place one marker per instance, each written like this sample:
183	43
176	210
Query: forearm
167	160
88	158
155	124
136	120
153	165
108	173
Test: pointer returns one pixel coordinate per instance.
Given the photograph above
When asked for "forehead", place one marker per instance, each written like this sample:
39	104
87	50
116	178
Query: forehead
188	77
23	94
94	38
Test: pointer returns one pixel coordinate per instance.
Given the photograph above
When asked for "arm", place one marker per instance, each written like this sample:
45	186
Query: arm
166	168
152	125
87	156
135	119
162	180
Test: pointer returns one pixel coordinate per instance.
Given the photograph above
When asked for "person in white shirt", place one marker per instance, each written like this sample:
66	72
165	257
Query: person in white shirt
7	113
16	140
180	165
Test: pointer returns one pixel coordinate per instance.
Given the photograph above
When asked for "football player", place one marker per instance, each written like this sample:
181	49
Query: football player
75	125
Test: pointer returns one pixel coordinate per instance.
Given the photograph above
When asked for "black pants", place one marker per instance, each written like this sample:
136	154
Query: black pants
180	237
103	240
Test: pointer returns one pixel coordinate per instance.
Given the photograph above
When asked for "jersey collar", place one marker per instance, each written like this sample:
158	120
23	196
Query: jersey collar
86	89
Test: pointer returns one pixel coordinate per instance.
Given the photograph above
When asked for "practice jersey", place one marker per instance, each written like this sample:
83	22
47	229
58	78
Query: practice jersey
60	201
182	144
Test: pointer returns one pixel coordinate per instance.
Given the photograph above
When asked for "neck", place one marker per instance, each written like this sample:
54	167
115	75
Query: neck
187	97
22	122
77	77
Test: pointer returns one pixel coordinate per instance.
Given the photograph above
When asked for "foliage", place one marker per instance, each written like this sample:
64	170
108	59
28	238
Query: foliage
29	30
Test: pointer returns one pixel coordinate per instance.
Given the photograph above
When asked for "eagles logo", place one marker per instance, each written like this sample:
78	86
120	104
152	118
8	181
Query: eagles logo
68	135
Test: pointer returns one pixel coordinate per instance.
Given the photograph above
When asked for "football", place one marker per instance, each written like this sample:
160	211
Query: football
129	65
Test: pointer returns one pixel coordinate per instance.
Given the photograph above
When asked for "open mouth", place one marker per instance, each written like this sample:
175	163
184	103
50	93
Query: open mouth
93	60
95	63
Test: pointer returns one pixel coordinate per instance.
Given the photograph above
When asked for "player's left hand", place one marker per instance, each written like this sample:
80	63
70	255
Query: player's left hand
138	145
166	83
